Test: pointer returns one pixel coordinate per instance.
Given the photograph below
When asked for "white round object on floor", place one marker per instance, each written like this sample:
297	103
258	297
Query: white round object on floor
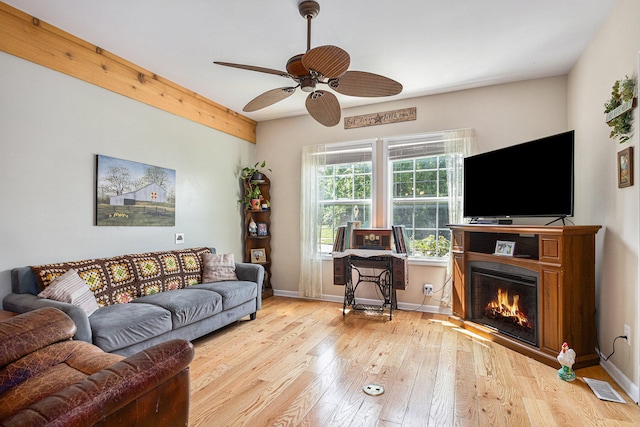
373	389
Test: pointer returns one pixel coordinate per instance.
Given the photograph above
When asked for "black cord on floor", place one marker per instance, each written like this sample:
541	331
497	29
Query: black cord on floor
614	347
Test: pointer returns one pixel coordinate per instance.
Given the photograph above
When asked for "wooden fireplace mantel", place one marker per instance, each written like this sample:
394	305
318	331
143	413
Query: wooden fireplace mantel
563	257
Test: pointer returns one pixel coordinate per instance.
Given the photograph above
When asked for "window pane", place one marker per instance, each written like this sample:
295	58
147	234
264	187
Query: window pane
403	184
426	184
443	186
403	165
347	190
427	162
425	216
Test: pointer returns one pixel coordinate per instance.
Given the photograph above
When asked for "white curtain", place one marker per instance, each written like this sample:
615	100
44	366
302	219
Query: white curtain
310	280
458	144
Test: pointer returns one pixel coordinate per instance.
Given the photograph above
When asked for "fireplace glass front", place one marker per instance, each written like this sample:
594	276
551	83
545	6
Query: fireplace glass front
506	301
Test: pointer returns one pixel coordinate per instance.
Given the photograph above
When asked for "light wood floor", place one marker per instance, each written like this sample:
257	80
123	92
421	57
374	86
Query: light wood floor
301	363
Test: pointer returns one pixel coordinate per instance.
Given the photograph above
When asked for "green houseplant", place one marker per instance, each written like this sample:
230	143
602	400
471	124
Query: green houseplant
254	173
251	194
251	177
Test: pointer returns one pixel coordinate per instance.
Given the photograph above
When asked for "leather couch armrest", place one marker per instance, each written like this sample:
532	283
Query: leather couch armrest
22	303
159	373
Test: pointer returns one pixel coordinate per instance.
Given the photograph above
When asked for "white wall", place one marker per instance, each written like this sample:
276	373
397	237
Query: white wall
51	128
502	115
610	56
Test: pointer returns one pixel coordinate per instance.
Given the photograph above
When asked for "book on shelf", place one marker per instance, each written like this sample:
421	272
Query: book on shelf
351	225
399	238
338	244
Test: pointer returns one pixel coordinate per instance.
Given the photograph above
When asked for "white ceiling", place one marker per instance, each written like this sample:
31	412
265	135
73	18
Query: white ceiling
430	46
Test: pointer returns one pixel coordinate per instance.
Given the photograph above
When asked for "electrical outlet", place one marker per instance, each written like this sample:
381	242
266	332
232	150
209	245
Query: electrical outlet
627	333
428	289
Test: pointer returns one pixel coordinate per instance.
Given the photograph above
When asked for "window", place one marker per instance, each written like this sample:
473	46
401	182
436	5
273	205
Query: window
420	177
419	202
347	189
418	196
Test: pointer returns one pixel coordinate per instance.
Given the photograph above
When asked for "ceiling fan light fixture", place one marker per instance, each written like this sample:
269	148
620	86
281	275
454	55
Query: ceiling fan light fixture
307	84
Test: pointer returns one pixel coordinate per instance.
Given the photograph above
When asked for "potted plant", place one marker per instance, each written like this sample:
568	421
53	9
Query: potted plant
254	173
252	196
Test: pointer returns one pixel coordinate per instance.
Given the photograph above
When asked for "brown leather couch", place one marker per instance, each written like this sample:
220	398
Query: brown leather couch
47	379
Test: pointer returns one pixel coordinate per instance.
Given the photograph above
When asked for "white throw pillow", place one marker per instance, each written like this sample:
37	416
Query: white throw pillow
70	288
218	268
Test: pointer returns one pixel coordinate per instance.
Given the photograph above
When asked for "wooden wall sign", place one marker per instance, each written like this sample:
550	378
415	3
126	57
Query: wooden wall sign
386	117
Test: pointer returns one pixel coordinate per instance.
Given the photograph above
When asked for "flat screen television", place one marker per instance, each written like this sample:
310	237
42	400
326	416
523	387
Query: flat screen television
531	179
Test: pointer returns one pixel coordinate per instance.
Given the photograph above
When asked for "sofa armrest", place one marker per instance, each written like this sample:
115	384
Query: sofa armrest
21	303
149	388
251	273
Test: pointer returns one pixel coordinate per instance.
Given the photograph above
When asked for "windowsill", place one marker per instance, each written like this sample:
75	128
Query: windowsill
433	262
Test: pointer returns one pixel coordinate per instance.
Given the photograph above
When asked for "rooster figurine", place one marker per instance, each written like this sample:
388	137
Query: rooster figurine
567	358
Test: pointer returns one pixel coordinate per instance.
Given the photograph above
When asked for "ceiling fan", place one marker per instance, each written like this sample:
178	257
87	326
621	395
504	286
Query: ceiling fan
323	65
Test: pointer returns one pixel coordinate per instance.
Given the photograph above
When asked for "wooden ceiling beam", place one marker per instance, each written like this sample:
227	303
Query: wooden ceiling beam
29	38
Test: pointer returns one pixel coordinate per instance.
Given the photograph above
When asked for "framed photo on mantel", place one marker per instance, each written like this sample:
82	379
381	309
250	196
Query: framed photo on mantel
504	248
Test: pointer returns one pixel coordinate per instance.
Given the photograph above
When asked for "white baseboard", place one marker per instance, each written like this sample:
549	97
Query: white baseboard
625	383
436	309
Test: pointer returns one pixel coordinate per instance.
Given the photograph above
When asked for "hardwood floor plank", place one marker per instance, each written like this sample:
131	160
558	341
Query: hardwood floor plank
442	413
422	395
401	386
302	363
466	404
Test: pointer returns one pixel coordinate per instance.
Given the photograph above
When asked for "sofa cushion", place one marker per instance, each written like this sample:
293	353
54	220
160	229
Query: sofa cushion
121	325
72	289
33	330
218	267
233	293
185	307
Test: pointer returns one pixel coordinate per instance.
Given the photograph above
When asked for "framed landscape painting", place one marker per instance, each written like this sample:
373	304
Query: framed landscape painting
134	194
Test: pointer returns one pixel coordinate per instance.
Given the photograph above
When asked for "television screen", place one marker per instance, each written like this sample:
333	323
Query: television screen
532	179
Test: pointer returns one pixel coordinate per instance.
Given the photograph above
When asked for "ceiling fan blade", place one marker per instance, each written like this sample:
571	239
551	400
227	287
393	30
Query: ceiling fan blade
268	98
254	68
330	61
360	83
323	107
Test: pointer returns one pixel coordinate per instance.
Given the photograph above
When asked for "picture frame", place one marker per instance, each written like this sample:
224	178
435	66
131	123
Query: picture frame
625	167
262	229
504	248
258	256
131	193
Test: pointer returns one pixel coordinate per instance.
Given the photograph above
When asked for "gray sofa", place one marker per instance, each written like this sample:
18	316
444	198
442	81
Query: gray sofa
192	311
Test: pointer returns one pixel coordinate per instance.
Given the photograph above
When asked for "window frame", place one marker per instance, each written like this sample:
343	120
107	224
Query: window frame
429	138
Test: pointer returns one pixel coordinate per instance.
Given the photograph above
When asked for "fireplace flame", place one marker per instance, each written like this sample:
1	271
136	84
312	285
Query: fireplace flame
503	309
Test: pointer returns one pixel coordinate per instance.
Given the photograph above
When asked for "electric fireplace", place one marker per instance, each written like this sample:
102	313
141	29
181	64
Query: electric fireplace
532	301
505	298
